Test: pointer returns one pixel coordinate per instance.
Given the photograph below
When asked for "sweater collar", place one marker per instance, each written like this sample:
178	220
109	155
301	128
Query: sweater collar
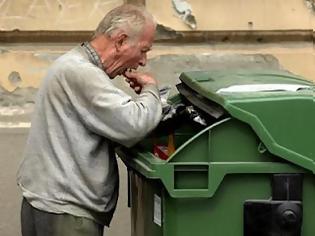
92	54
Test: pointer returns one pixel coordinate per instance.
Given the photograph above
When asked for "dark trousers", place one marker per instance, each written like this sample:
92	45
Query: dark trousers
39	223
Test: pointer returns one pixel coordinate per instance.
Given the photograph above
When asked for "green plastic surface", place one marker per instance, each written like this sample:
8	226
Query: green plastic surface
200	163
283	120
202	187
268	132
221	215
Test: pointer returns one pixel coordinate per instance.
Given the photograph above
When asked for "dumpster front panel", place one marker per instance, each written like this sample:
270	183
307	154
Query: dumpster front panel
220	215
223	214
146	211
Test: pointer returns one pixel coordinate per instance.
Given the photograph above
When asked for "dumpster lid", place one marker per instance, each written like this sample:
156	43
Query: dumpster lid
277	104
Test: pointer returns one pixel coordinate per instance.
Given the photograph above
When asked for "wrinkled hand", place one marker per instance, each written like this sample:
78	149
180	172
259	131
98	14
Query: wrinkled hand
137	80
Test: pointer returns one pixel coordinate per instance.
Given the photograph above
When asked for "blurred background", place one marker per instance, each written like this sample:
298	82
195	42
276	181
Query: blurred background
192	35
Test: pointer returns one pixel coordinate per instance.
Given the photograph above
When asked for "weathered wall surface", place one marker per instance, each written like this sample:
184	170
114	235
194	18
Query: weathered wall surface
22	66
25	66
210	15
238	14
53	14
21	69
29	62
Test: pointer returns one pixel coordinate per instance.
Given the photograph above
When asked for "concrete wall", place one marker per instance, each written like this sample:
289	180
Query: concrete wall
210	15
23	65
31	62
238	14
53	14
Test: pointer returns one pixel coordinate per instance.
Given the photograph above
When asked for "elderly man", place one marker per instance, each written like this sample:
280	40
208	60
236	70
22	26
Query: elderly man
69	175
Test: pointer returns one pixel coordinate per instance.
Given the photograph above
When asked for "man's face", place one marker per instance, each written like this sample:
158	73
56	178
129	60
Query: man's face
133	53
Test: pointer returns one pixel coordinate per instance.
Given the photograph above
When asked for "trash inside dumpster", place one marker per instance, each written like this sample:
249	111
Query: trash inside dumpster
233	156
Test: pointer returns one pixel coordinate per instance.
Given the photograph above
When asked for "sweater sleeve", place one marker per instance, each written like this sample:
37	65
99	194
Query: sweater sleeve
108	111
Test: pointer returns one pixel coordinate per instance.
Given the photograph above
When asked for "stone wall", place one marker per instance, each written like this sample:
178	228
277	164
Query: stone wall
23	65
61	15
73	15
238	14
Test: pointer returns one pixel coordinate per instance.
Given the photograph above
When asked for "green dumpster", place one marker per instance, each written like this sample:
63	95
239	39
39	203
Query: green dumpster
245	168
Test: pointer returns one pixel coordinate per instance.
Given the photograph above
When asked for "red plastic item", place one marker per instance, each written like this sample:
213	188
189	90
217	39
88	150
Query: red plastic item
160	151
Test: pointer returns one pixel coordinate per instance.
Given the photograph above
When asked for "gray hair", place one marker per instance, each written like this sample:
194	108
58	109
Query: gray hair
127	18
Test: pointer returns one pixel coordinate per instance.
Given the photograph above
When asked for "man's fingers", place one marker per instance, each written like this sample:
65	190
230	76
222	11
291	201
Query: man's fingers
130	74
140	78
137	89
132	84
130	79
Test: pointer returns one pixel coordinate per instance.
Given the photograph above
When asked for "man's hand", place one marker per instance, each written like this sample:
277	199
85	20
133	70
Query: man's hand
137	80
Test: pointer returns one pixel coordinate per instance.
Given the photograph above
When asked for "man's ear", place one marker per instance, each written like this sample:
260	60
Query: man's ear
120	41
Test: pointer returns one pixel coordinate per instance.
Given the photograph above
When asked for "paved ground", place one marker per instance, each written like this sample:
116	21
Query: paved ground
12	142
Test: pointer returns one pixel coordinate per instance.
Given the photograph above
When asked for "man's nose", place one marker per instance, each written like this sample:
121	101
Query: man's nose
143	60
